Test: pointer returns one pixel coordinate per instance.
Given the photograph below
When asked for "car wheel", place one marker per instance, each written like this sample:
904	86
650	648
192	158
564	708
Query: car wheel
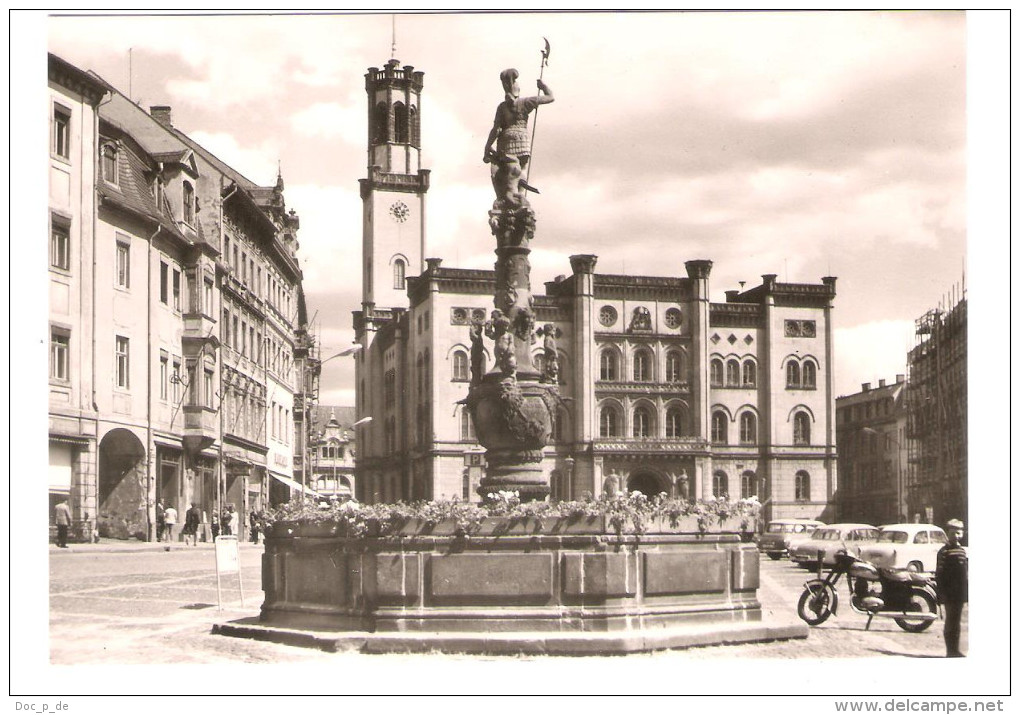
915	567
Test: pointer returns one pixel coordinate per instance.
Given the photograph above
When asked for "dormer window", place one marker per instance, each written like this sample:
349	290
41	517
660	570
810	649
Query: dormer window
189	203
109	163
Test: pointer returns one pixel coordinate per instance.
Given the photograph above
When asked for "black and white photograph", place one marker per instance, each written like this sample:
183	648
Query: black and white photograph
510	353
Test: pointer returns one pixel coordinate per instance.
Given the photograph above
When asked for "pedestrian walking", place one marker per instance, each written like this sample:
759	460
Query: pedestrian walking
62	516
192	520
253	524
169	522
951	579
160	520
227	522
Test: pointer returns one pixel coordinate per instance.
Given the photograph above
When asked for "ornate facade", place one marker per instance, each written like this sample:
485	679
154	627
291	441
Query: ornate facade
172	317
659	386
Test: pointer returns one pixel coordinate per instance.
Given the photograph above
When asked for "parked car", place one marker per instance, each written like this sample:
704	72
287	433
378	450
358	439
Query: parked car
781	534
910	546
827	540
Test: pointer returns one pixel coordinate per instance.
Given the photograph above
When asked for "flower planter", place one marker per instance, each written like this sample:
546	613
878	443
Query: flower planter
525	574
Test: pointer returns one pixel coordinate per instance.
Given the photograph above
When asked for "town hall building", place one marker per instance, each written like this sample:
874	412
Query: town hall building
660	386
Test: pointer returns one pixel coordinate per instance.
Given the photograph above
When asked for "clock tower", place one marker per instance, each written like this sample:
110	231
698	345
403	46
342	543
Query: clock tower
393	195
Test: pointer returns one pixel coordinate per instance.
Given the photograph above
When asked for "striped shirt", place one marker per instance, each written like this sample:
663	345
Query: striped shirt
951	574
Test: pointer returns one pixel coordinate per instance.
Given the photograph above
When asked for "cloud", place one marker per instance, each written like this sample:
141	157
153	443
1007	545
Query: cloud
333	120
257	163
870	352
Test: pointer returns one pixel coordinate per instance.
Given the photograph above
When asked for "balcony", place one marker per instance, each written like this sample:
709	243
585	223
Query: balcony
201	427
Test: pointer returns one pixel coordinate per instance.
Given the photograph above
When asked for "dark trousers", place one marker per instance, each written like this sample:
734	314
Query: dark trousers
61	535
954	612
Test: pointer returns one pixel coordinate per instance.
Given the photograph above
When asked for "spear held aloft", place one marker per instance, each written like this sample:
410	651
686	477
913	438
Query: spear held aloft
534	126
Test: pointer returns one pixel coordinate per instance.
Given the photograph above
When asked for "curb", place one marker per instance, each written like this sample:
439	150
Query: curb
141	547
524	643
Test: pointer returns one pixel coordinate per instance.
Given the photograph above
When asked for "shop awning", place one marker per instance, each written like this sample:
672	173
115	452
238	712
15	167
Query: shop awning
294	485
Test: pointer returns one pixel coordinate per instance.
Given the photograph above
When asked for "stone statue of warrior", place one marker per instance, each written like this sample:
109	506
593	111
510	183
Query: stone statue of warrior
510	133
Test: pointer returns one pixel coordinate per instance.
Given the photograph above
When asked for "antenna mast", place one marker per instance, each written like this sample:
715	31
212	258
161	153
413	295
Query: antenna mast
393	47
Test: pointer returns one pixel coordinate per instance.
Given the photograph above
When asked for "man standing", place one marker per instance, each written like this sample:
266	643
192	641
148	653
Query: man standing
63	518
160	520
170	521
192	519
951	578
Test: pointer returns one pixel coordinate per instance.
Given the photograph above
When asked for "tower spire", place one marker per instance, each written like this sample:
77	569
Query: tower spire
393	47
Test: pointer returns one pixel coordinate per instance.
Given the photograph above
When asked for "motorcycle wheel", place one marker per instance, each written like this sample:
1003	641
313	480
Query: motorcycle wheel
920	602
816	603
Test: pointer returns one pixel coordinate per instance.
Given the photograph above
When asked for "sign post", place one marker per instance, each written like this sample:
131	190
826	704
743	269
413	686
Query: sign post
228	560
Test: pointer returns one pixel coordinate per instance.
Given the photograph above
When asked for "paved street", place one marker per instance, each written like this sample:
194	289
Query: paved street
139	603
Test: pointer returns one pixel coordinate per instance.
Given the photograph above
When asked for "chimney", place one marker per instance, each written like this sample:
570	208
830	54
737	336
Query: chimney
731	296
881	383
162	114
433	263
865	386
899	378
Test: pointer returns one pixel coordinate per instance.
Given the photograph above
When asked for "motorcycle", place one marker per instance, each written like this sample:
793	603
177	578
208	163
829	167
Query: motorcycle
906	597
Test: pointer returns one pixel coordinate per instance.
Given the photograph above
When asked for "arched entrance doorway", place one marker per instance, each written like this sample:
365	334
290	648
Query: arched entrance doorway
123	486
648	483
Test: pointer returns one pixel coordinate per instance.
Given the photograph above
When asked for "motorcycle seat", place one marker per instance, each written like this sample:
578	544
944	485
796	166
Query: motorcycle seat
897	575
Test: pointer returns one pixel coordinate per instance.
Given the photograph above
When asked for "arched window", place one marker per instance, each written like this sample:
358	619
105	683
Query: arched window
110	163
189	203
400	134
381	123
399	271
808	378
748	428
674	366
748	485
467	427
750	373
716	373
801	428
609	422
674	422
732	373
642	366
719	422
607	365
559	425
415	125
642	425
802	486
460	365
539	362
720	485
792	374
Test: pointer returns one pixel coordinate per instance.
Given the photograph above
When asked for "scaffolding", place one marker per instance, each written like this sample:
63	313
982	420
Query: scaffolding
936	403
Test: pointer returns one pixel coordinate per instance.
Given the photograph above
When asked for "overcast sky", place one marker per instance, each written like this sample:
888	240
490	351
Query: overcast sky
800	144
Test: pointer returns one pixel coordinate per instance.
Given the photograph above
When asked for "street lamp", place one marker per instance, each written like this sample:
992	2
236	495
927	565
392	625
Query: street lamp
344	353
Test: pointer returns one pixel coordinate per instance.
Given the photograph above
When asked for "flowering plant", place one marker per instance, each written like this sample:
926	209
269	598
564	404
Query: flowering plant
633	509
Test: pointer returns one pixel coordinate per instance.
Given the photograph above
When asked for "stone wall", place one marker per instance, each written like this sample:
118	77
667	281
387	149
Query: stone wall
548	581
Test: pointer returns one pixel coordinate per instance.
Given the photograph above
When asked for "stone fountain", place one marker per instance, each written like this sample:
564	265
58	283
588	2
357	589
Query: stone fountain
567	584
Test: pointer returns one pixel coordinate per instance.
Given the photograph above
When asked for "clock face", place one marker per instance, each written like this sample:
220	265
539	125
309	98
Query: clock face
399	212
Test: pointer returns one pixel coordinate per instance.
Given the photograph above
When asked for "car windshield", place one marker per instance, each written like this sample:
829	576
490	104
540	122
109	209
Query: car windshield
821	534
781	528
893	537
